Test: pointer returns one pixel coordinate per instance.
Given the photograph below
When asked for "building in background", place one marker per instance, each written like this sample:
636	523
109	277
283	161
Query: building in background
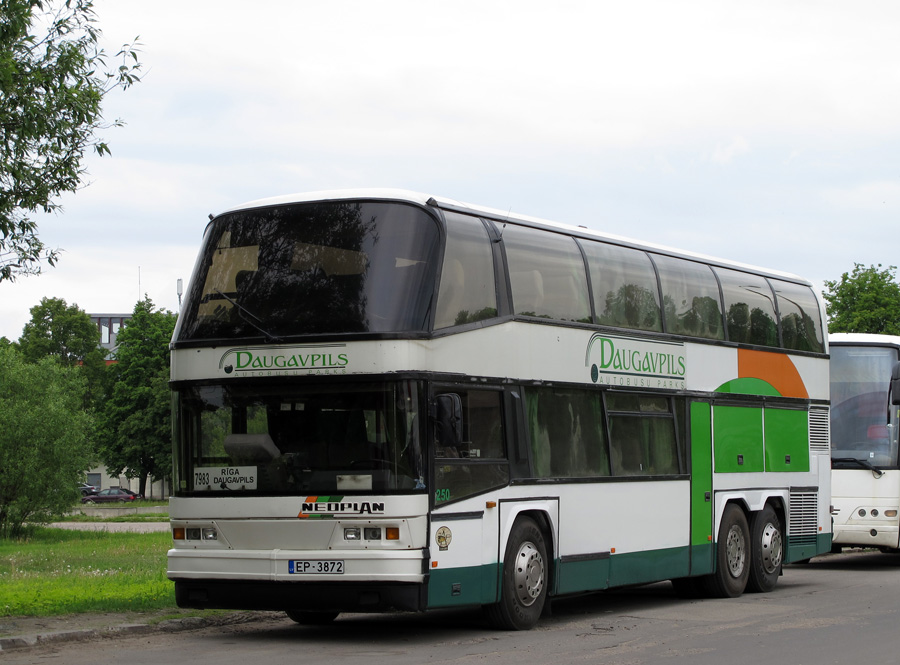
109	326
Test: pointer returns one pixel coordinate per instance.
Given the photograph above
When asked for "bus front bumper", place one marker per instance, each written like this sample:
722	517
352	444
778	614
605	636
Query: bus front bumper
272	580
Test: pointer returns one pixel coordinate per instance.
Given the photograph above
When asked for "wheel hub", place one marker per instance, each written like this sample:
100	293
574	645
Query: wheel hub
771	548
735	551
529	574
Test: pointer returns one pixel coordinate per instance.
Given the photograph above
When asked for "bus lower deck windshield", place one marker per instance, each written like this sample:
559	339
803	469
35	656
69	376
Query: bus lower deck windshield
289	439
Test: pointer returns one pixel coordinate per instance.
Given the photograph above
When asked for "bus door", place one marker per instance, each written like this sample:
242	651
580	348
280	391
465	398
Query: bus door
702	541
469	464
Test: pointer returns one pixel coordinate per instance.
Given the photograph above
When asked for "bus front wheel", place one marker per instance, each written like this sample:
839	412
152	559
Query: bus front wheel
732	555
766	550
523	587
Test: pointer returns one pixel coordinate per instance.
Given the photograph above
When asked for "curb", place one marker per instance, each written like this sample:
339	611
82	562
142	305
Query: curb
60	637
19	642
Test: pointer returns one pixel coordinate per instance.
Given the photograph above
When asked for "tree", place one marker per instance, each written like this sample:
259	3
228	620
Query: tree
864	301
66	333
53	80
136	432
44	441
58	329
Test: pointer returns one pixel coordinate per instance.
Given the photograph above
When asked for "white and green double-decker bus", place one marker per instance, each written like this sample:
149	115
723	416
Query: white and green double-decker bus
390	401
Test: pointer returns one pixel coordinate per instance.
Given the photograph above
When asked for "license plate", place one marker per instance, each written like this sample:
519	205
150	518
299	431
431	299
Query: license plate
315	567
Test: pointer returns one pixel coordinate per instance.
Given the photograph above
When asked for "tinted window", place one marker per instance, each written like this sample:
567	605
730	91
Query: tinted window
478	463
749	308
566	431
690	298
467	290
642	435
546	272
625	290
801	326
313	268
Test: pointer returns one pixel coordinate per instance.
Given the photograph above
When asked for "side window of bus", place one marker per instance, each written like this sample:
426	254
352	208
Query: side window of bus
749	308
546	274
690	298
467	292
566	432
642	435
626	293
801	326
477	462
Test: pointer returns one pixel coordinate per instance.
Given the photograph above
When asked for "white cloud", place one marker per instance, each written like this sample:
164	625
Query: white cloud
725	153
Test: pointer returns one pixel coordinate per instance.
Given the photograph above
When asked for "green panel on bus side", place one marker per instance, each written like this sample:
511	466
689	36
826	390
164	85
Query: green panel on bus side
787	440
702	549
649	566
585	575
738	439
472	585
803	547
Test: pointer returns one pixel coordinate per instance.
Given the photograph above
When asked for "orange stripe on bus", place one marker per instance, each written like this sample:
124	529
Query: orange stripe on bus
775	368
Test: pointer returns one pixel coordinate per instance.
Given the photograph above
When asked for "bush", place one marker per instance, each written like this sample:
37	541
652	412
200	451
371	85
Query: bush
44	441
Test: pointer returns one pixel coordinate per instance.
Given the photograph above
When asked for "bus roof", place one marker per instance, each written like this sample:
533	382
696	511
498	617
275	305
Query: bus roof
387	194
866	339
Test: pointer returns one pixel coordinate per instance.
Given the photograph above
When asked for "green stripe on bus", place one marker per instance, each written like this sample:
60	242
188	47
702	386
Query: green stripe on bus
805	547
748	386
470	585
702	551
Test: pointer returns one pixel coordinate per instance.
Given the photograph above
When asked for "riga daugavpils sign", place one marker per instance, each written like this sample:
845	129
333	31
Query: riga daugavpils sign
268	361
631	361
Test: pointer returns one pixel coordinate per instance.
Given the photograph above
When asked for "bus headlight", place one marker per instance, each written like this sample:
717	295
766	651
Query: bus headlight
351	533
195	533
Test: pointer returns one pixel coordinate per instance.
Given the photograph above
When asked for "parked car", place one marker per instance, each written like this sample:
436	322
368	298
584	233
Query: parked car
87	489
111	495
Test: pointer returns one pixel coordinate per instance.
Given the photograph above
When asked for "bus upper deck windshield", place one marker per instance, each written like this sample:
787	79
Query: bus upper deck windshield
350	267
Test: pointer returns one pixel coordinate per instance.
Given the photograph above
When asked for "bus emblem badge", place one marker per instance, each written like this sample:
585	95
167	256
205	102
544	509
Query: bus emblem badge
443	536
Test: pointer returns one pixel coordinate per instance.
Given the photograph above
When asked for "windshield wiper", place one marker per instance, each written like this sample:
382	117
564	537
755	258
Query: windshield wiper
243	310
866	464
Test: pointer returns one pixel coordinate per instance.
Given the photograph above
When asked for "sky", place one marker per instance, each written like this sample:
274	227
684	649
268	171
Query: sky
764	132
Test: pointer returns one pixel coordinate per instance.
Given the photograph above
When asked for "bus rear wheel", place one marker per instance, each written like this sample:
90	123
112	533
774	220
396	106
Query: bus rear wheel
523	588
766	550
311	618
732	555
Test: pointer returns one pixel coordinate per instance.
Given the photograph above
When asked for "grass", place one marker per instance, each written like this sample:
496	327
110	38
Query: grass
142	517
56	571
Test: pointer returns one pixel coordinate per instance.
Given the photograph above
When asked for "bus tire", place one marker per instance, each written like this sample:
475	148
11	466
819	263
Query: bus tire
732	555
311	618
766	550
523	585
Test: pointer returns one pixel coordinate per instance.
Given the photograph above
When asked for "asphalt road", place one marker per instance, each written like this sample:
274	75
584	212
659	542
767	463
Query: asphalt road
837	609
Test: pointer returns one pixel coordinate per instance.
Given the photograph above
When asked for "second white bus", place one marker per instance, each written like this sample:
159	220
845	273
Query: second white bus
865	477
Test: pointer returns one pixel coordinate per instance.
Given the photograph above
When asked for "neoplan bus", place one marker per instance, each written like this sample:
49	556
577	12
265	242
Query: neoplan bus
390	401
865	473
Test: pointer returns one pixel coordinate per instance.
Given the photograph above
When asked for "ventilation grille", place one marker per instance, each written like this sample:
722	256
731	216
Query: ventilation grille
803	526
819	435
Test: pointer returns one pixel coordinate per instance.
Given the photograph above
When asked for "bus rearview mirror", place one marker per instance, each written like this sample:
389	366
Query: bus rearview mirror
895	384
448	420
